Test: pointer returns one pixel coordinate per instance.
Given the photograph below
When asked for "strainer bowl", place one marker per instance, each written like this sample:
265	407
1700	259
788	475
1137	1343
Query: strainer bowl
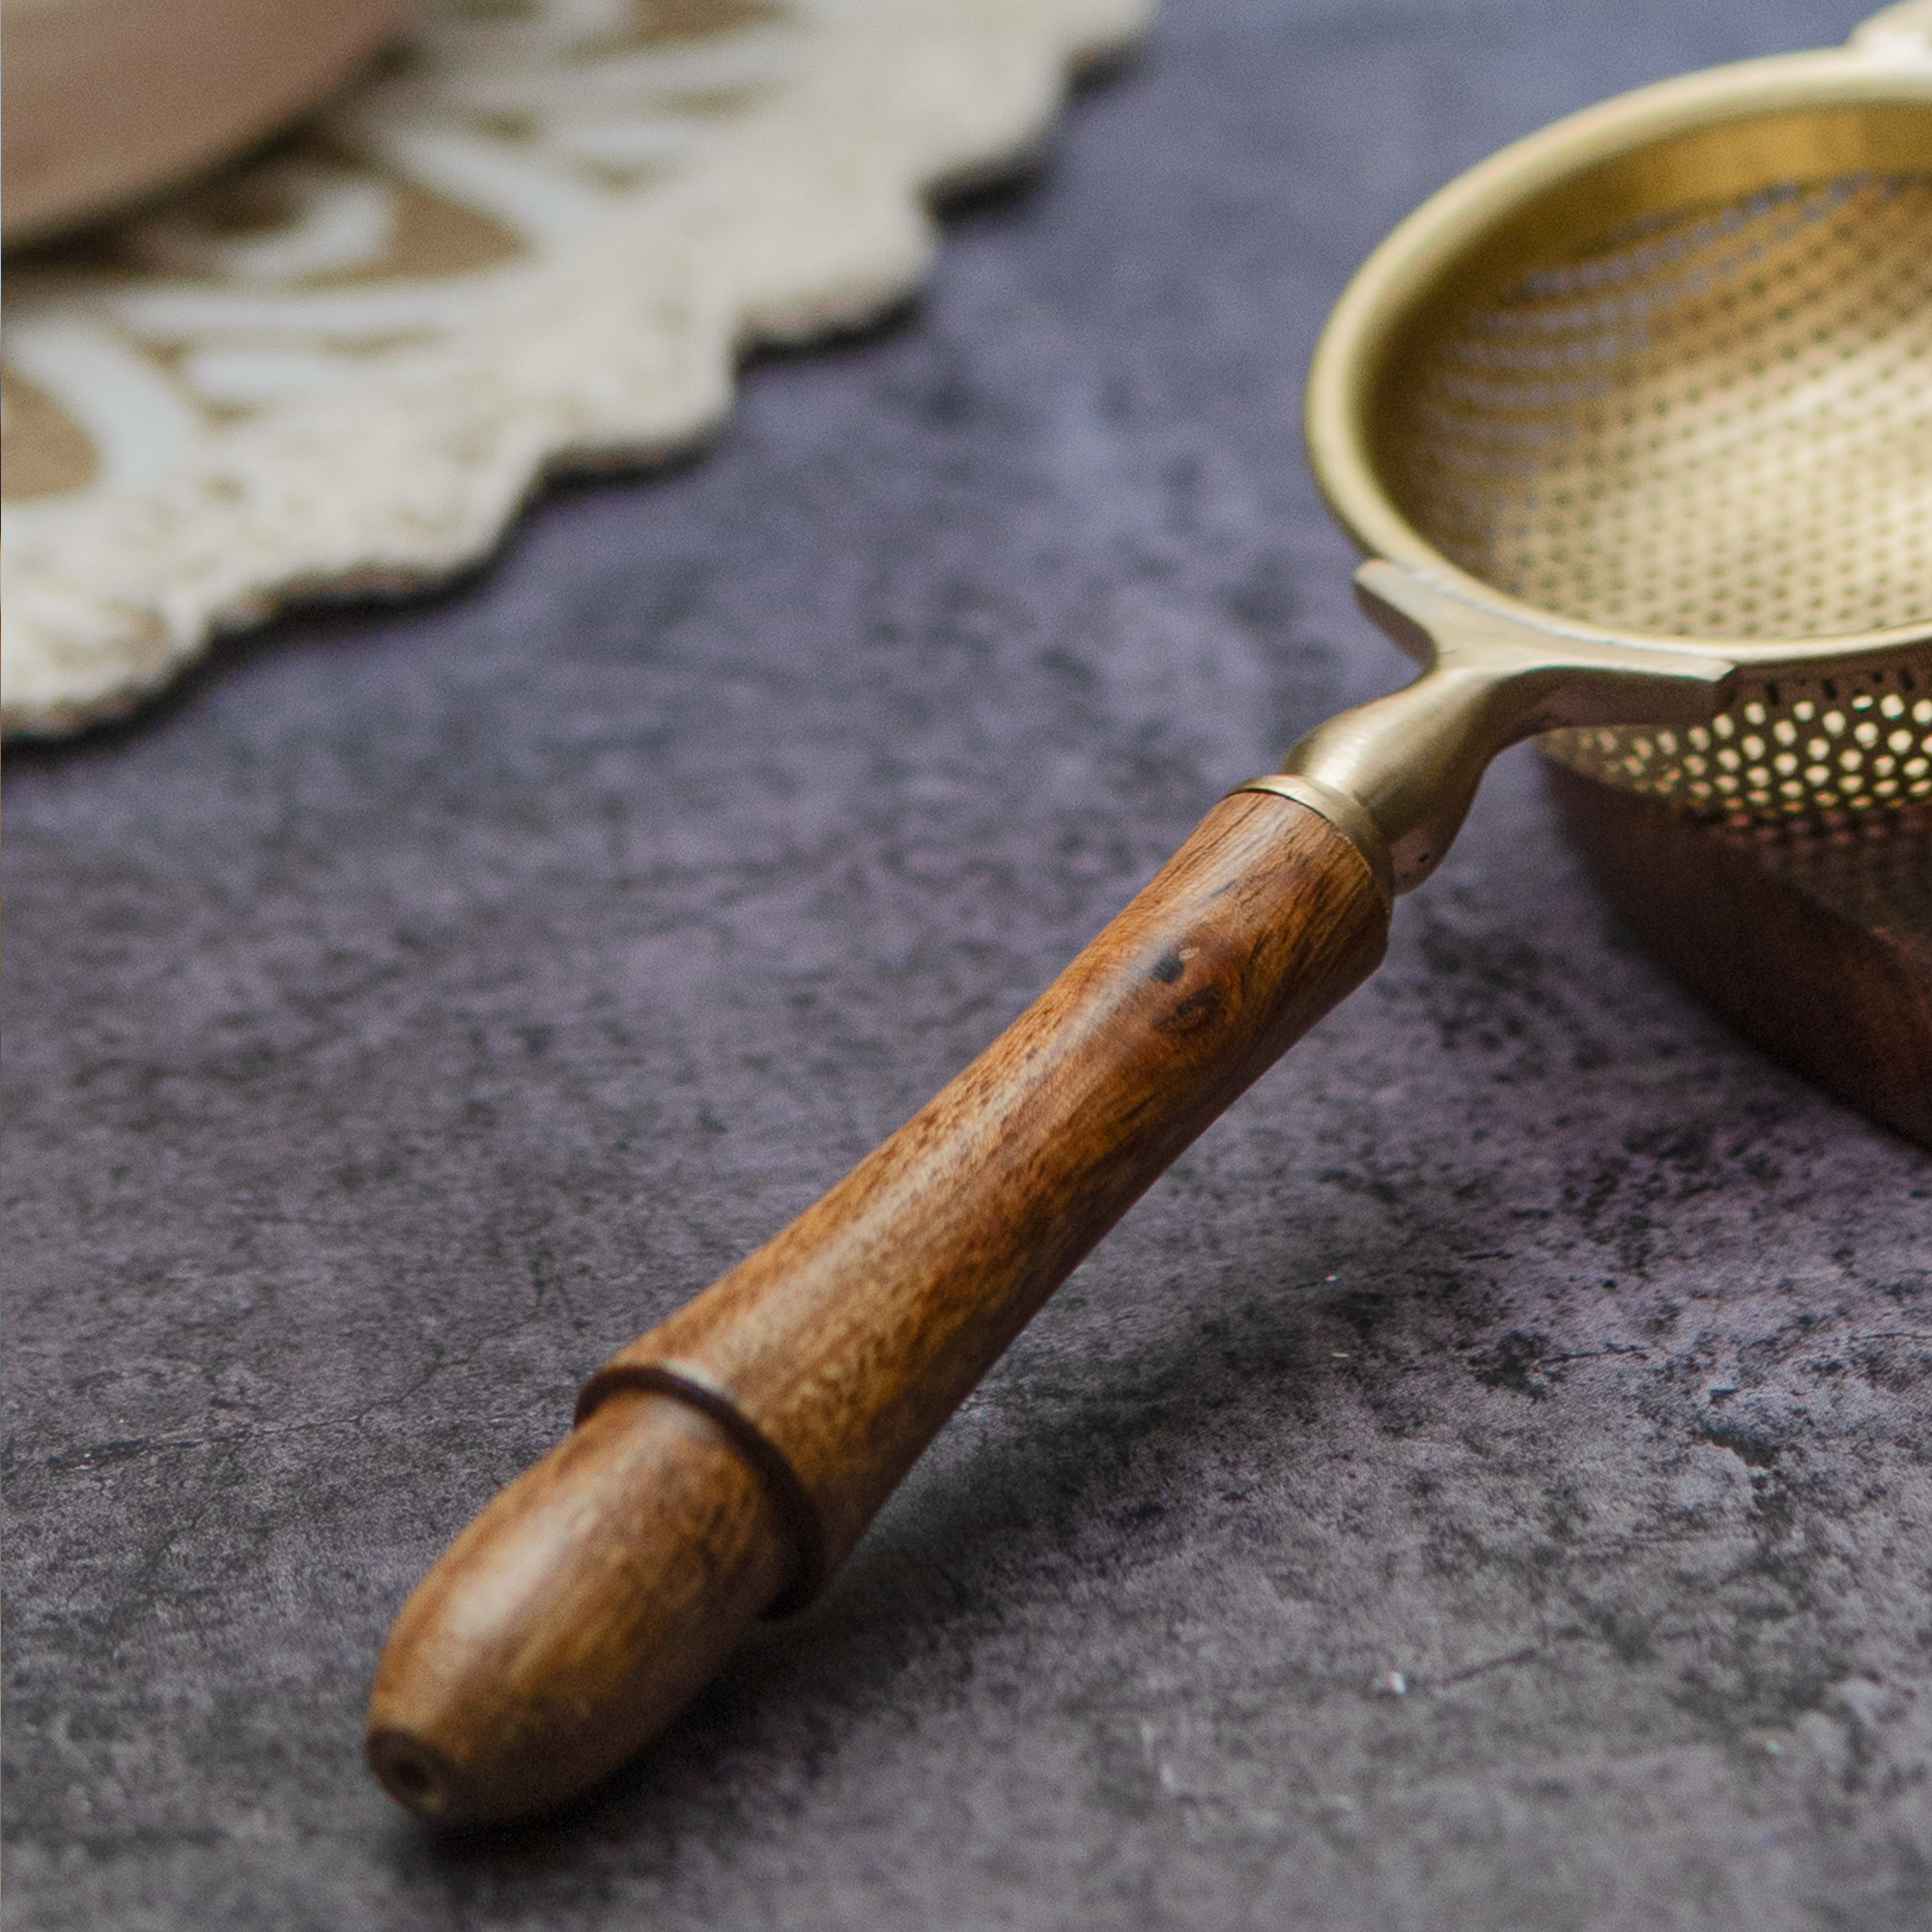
1660	376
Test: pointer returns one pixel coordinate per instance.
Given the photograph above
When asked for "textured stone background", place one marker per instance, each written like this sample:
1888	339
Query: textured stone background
426	999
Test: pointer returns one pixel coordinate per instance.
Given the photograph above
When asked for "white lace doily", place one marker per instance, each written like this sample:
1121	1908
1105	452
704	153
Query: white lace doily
539	237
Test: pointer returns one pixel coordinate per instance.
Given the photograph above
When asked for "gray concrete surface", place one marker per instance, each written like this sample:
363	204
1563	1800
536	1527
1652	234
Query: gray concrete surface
1485	1486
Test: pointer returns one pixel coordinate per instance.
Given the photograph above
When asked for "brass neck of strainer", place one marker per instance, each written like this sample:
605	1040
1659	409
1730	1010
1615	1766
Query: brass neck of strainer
1408	764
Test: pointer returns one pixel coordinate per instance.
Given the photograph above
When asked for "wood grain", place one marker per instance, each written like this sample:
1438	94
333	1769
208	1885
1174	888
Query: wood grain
1814	941
822	1364
578	1612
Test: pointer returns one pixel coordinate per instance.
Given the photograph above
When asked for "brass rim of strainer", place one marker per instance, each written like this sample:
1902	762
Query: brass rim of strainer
1723	133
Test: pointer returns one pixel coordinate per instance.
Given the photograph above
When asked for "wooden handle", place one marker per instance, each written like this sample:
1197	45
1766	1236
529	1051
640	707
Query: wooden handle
726	1462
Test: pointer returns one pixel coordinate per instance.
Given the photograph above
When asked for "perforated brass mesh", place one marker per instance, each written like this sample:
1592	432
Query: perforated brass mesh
1788	748
1717	423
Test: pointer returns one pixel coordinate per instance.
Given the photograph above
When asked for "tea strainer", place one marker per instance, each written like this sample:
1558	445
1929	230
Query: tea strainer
1635	421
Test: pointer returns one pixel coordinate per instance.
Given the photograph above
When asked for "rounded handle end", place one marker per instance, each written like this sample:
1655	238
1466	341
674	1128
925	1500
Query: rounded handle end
575	1617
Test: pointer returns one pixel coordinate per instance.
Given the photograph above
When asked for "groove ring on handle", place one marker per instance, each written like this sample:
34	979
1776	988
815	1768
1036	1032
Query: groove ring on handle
794	1508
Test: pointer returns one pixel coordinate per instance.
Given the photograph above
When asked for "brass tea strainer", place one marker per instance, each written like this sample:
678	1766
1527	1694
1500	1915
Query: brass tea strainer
1656	382
1636	420
1662	374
